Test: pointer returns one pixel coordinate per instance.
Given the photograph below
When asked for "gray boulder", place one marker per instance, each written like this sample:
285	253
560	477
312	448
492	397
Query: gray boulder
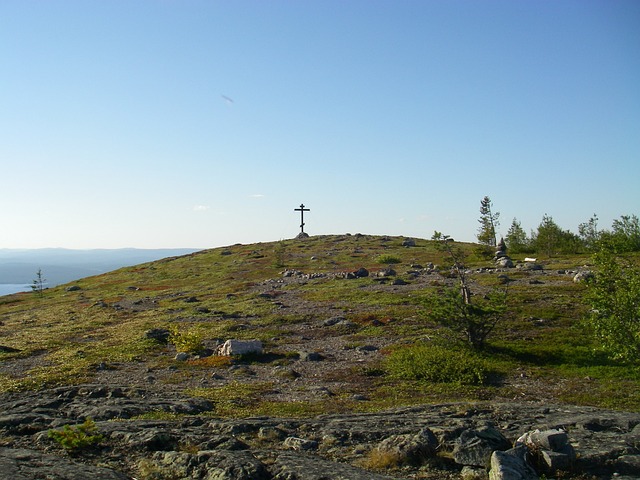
410	449
361	272
511	465
474	447
550	449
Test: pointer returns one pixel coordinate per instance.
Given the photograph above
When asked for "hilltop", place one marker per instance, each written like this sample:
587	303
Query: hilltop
329	337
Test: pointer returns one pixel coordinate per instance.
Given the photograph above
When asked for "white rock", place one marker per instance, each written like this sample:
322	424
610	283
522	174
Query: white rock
240	347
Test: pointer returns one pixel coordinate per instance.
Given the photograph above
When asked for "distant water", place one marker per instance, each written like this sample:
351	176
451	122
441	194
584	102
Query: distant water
9	288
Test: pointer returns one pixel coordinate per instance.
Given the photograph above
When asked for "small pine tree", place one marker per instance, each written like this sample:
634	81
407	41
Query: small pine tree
454	309
38	283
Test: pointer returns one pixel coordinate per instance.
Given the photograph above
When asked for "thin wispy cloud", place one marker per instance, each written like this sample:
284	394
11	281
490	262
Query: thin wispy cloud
201	208
257	195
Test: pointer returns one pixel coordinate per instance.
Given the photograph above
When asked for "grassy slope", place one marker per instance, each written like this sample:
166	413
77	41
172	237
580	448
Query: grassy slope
540	349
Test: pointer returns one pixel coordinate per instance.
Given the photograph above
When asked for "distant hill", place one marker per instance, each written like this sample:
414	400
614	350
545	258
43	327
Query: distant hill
61	265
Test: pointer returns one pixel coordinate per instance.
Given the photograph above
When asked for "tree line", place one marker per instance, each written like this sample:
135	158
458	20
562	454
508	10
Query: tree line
550	239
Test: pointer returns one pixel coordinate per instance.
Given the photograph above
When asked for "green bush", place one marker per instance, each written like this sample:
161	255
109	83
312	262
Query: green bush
614	296
188	341
387	259
438	365
78	437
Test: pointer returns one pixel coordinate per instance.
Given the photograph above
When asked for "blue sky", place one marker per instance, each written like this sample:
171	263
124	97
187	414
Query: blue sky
204	123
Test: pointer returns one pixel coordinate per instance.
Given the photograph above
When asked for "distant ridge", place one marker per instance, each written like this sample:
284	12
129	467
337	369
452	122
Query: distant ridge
61	265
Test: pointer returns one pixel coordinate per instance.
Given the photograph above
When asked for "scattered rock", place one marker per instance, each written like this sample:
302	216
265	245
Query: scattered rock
310	356
387	272
296	443
333	321
181	357
361	273
367	348
410	449
239	347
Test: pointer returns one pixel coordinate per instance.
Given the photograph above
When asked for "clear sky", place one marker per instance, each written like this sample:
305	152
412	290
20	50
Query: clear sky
185	123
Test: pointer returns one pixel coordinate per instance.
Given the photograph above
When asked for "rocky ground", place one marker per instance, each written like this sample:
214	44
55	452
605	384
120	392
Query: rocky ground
435	441
149	429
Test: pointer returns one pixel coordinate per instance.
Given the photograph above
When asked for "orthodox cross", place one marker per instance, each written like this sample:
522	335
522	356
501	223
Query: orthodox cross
301	210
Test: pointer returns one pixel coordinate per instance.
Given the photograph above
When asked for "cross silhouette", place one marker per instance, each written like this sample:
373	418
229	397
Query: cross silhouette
301	210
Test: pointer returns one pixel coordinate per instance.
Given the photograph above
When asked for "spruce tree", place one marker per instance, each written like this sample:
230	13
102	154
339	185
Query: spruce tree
488	223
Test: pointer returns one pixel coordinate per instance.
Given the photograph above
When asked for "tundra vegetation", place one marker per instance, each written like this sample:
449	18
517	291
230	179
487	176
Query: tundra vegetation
392	343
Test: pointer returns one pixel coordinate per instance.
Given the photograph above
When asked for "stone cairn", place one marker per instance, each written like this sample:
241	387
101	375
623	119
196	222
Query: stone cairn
501	258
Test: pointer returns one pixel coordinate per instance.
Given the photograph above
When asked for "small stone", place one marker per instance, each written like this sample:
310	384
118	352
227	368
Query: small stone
295	443
332	321
583	276
310	356
361	272
367	348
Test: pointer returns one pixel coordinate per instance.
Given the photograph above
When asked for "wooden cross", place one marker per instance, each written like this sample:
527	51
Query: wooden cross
301	210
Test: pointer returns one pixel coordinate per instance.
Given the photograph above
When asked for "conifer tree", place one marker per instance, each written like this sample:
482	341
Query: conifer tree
516	238
488	223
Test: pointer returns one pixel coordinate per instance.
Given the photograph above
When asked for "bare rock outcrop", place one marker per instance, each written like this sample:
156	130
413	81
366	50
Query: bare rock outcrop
433	441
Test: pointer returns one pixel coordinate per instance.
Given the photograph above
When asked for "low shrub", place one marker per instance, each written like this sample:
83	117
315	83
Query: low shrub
78	437
437	364
188	341
388	259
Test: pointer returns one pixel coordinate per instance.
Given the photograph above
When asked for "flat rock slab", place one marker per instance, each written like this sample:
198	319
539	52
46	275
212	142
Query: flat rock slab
308	467
23	464
605	442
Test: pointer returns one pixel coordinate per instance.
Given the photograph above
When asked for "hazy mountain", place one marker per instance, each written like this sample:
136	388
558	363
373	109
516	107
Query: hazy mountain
61	265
